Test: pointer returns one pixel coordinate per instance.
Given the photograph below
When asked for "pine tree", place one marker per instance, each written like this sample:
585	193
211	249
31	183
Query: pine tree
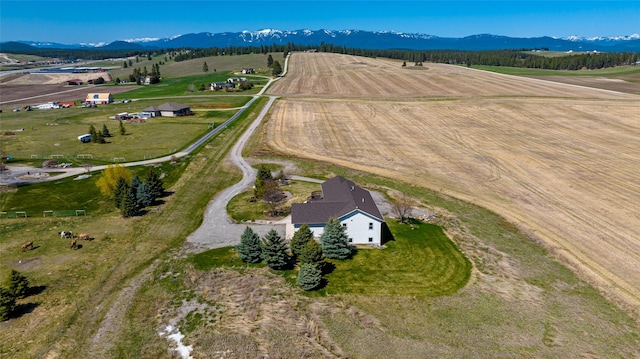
93	133
277	68
125	65
154	181
269	61
144	195
135	183
300	239
17	284
335	243
123	131
311	253
263	175
274	250
205	67
105	131
7	303
120	192
249	249
309	277
129	206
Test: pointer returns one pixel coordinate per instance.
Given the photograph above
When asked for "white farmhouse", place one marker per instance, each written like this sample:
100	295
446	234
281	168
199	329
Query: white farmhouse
351	205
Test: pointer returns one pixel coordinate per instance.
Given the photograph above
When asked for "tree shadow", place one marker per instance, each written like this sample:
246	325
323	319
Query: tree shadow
22	309
323	284
35	290
326	267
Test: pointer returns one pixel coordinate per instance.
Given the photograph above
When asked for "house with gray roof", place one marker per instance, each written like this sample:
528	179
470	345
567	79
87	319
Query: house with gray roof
170	109
340	198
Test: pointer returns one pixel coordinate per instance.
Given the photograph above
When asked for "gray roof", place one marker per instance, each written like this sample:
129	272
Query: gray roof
339	197
172	106
169	106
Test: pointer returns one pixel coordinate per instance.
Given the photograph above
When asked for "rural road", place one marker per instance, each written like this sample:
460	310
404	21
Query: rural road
217	229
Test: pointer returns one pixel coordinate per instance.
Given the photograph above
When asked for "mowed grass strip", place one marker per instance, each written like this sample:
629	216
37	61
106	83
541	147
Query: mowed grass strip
421	261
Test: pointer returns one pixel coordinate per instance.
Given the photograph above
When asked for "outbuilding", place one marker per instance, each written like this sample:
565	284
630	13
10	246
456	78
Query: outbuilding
99	98
85	138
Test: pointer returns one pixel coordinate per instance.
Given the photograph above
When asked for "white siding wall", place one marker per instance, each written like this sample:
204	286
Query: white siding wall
358	228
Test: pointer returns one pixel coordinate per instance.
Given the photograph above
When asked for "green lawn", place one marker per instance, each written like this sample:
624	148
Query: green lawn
54	132
420	262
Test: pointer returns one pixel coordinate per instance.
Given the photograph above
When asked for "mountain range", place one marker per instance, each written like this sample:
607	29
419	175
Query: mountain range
351	38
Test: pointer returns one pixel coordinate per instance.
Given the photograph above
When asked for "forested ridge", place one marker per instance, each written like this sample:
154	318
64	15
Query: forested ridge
522	58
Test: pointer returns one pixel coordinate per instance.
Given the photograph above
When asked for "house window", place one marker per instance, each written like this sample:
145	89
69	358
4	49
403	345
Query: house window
370	225
350	240
370	239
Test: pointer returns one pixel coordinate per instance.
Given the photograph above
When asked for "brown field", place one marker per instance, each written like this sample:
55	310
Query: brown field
558	160
32	89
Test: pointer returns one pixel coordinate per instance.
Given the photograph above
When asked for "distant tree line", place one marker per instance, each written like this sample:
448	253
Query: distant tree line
507	58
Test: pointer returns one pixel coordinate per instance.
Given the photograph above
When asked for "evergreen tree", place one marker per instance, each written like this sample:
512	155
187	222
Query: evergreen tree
269	61
274	250
120	192
309	277
311	253
277	68
154	181
144	195
130	63
263	175
129	206
7	303
125	65
105	131
17	284
249	249
123	131
335	243
300	239
99	138
135	183
93	133
205	67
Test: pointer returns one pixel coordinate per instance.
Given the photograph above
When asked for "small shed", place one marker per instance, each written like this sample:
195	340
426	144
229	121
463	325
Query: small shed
85	138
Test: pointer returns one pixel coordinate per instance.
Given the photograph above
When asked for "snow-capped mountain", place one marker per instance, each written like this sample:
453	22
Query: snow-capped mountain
362	39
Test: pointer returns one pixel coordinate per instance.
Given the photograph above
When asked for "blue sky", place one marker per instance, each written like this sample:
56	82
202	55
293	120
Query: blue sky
106	21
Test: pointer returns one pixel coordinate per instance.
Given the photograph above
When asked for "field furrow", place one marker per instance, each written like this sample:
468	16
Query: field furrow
560	161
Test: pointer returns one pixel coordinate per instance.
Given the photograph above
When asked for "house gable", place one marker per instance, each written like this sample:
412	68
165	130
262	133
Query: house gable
351	205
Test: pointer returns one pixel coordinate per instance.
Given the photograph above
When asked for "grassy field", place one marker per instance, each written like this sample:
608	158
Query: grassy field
79	284
54	132
518	301
607	72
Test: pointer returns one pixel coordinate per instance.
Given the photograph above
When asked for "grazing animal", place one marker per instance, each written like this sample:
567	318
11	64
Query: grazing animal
84	236
74	244
66	234
28	245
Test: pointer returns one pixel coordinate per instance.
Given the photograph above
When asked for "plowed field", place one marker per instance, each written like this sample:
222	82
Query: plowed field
561	161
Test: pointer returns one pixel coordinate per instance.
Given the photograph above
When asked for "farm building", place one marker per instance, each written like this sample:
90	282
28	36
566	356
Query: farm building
340	198
84	138
215	86
248	70
99	98
169	109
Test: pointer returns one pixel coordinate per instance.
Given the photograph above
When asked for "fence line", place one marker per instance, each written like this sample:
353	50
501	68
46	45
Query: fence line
49	213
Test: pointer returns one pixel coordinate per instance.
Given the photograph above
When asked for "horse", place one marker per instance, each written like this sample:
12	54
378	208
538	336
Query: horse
74	244
84	236
27	245
66	234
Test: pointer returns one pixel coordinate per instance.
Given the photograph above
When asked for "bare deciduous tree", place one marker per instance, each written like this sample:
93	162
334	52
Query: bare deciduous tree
403	207
272	194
